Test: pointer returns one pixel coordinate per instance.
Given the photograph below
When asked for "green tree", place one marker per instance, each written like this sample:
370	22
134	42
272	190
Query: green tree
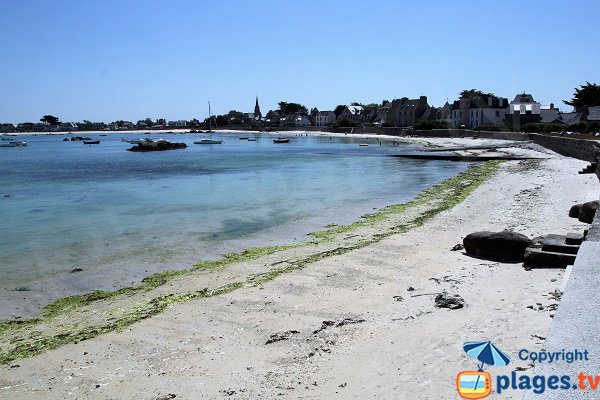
587	96
233	114
473	93
149	122
221	120
371	107
291	108
338	110
49	120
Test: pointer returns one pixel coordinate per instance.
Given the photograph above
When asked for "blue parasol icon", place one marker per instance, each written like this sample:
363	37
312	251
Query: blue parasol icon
487	353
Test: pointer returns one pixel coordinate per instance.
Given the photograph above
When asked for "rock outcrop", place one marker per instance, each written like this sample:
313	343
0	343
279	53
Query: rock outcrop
506	246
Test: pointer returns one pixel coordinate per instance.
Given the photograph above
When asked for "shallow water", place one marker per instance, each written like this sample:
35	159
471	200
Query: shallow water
120	215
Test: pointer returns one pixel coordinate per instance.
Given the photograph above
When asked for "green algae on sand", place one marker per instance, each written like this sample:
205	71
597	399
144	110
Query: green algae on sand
63	322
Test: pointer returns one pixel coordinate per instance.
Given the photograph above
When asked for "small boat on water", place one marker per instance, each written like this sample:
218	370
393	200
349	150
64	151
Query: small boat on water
363	145
252	139
208	141
281	140
211	140
136	141
8	138
244	138
91	142
13	144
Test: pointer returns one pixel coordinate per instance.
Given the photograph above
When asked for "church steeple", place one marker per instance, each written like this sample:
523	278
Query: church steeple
257	114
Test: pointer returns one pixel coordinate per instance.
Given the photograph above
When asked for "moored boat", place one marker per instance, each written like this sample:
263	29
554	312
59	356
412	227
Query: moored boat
91	142
281	140
208	141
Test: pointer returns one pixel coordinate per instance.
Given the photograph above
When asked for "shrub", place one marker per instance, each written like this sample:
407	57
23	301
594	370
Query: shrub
346	123
427	125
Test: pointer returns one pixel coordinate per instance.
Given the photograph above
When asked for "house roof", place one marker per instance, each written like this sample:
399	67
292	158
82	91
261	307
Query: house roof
570	118
593	113
355	110
523	98
410	104
549	115
483	102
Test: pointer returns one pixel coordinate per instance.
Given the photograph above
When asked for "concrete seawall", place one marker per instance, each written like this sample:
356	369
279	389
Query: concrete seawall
586	150
576	325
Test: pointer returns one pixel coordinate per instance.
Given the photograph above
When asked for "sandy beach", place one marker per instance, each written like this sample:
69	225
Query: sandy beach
358	321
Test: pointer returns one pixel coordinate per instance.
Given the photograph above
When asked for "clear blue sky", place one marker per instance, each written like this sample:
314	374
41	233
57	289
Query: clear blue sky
108	60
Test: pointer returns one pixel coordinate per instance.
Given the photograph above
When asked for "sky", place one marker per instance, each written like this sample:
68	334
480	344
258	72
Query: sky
128	60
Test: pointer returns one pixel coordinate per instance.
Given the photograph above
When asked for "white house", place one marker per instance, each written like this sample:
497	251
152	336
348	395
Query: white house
301	120
325	118
524	103
353	113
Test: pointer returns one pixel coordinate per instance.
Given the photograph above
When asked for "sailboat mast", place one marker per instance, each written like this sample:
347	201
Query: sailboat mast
209	118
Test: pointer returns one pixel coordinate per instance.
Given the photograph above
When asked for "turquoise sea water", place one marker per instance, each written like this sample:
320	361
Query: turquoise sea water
120	216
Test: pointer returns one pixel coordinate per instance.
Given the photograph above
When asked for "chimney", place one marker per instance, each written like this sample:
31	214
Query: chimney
552	106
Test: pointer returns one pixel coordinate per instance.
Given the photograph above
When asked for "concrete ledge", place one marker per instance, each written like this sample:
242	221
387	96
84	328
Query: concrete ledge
576	324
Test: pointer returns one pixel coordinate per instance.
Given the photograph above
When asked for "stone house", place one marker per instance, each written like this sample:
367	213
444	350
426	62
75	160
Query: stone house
325	118
353	113
523	110
479	111
406	112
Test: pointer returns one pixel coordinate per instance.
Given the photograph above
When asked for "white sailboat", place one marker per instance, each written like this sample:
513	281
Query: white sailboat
211	140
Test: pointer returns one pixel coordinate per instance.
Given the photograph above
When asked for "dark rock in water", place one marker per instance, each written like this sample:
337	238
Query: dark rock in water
447	300
65	140
79	138
587	211
157	146
276	337
497	246
76	270
457	247
574	211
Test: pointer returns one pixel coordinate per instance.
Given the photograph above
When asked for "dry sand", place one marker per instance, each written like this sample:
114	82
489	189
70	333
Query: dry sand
404	349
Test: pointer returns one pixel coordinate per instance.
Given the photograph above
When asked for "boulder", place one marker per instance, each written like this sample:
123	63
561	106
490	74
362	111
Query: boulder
587	211
497	246
448	300
574	211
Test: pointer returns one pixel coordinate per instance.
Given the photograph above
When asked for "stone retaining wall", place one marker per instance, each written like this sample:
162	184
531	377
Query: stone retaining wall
586	150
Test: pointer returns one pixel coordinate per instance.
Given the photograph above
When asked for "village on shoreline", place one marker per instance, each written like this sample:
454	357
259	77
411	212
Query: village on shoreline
473	110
